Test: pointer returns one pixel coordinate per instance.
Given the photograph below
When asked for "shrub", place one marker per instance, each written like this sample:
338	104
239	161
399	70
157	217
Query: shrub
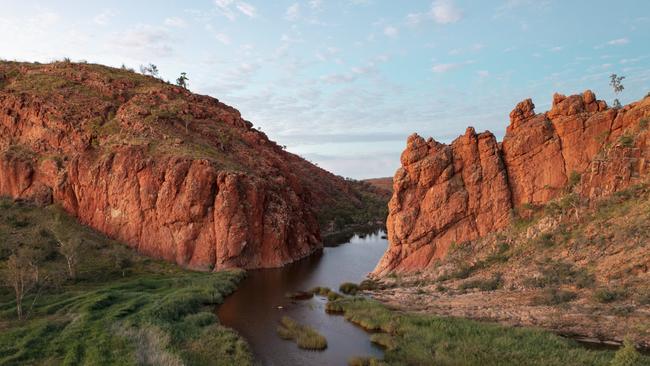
561	273
627	355
574	179
608	295
626	140
349	288
545	240
368	285
484	285
643	123
554	296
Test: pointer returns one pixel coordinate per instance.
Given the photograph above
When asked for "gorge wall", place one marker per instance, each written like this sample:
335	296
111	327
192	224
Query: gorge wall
446	194
177	176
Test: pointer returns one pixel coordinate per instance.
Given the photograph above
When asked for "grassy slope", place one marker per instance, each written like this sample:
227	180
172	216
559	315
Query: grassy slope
415	339
141	311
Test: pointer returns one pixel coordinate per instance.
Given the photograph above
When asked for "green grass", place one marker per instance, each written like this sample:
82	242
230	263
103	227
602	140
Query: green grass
122	309
304	336
414	339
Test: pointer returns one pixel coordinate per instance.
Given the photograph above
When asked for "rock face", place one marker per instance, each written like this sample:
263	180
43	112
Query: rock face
176	175
446	194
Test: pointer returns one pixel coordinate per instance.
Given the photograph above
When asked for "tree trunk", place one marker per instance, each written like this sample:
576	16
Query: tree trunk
71	271
19	307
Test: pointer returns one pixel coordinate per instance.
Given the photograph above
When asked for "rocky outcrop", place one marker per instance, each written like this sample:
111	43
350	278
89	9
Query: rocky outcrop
176	175
446	194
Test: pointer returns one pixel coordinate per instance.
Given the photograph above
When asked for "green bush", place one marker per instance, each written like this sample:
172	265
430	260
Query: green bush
553	296
491	284
627	355
349	288
609	295
626	140
574	179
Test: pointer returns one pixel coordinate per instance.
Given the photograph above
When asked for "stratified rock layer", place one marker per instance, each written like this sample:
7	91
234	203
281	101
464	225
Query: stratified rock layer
176	175
446	194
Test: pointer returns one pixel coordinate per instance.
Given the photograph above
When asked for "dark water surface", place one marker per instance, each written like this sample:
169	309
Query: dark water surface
253	309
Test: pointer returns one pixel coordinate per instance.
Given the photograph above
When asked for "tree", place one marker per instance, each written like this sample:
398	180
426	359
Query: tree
151	70
615	82
20	274
68	244
182	80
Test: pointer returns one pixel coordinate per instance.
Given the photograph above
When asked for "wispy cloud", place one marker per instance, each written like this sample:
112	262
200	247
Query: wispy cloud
441	12
175	22
446	67
145	41
293	12
445	12
104	18
391	32
230	8
618	41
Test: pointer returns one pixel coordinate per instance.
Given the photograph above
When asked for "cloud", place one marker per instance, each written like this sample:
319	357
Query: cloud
247	9
443	68
145	41
473	48
483	73
175	22
219	36
223	38
391	31
613	42
225	8
618	42
441	12
104	17
315	4
293	12
556	49
445	12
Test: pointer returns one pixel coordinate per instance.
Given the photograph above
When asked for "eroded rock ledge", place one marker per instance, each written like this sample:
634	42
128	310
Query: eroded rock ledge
446	194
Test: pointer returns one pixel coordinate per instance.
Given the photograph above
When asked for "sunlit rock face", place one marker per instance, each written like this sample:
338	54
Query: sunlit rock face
176	175
445	194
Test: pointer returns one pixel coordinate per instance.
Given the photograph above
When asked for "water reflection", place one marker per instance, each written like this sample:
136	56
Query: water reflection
255	309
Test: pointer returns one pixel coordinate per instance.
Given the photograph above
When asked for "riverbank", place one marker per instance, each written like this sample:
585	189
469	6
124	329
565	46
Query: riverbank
421	339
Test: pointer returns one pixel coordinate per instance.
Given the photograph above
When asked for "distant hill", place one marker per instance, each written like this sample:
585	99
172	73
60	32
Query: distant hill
385	184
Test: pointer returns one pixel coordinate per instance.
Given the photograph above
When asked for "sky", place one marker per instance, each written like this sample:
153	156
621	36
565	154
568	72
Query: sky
343	83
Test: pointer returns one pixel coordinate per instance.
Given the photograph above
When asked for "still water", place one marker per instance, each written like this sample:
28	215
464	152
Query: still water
255	309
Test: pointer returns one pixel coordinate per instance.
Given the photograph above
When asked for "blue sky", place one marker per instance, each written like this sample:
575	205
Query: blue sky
344	82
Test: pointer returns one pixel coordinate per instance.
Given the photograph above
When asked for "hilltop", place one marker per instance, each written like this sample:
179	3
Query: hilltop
179	176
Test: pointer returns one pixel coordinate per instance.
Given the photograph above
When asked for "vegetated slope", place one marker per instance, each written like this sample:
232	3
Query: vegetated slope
448	194
178	176
576	266
120	308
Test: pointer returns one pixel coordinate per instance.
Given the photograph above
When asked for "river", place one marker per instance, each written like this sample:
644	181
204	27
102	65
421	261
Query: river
255	309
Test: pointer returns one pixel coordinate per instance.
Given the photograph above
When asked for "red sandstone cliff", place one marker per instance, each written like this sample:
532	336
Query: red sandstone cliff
176	175
462	191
